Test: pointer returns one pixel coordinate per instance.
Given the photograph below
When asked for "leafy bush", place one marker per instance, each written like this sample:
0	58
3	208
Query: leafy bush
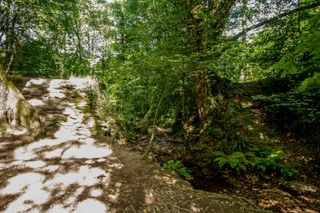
266	159
237	161
92	97
288	172
179	168
259	159
295	111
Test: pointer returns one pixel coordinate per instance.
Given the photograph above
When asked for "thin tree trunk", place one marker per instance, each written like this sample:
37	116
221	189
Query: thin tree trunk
13	55
244	19
151	140
244	36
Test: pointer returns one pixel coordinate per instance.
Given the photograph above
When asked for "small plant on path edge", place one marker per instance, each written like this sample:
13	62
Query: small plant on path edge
179	168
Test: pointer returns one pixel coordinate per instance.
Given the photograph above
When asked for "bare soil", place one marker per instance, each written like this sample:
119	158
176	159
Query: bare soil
73	170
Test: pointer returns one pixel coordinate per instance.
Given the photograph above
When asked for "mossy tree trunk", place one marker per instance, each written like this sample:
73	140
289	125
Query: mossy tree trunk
208	19
15	112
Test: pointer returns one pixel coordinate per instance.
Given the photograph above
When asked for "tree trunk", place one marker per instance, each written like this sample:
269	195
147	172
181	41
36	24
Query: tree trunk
217	11
244	37
17	116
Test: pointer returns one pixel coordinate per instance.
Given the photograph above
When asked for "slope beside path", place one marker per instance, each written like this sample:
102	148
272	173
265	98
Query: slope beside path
72	170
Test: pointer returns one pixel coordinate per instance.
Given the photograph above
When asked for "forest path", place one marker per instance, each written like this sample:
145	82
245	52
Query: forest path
72	170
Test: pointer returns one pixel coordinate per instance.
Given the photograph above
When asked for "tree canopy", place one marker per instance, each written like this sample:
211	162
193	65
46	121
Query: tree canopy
204	69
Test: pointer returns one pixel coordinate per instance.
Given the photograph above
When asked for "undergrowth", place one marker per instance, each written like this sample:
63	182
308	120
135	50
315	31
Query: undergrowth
263	160
179	168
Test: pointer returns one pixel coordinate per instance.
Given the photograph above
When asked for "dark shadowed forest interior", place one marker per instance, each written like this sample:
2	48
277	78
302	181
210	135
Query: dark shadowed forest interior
160	106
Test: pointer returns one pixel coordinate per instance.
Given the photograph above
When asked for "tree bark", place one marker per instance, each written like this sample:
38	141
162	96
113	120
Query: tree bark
244	37
12	57
217	11
16	114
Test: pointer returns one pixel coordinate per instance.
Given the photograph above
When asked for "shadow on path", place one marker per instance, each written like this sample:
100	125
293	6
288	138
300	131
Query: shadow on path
70	170
53	174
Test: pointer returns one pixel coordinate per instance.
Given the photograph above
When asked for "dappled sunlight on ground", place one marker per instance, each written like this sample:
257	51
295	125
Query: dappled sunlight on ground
54	89
17	132
36	102
168	180
149	197
72	170
82	83
33	82
55	173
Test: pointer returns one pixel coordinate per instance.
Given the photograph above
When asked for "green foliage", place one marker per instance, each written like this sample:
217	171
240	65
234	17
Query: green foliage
288	172
258	159
306	54
92	97
237	161
50	38
176	52
266	159
296	111
35	58
138	84
178	167
292	51
310	82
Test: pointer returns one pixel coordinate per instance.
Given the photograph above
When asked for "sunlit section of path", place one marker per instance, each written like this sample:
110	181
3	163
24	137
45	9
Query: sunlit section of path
73	170
63	172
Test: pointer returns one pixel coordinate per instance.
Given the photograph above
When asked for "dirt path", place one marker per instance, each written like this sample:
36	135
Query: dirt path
71	170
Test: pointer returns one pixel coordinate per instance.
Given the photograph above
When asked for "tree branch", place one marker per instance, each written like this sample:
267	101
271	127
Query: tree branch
13	54
273	19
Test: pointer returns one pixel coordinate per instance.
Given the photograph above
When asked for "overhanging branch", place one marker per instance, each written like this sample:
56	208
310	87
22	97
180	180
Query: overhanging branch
273	19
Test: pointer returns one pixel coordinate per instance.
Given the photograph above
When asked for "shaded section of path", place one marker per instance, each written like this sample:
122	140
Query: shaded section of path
71	170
